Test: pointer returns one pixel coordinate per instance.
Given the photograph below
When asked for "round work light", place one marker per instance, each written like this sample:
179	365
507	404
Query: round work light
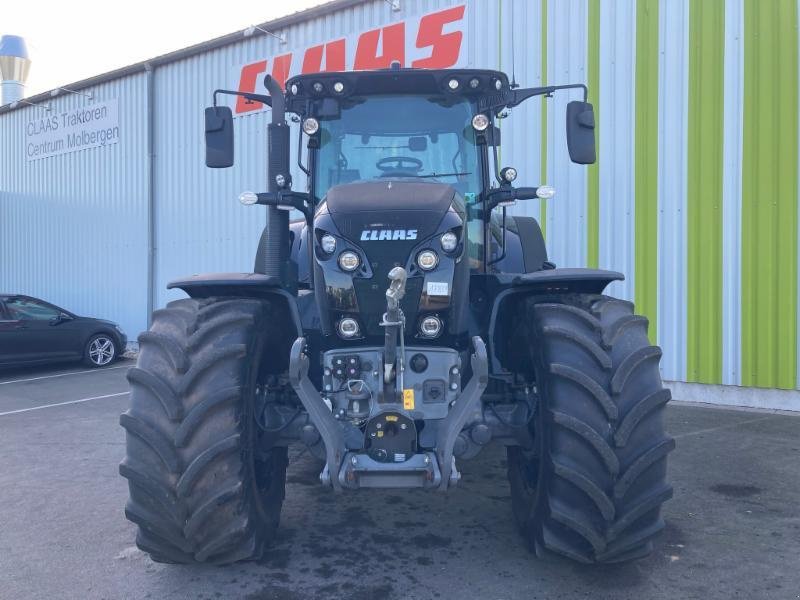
349	261
427	260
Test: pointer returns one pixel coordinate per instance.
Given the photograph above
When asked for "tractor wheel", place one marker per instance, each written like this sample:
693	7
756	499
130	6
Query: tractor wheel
593	486
198	490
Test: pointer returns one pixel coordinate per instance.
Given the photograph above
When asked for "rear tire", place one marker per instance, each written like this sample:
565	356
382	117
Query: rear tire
198	490
593	486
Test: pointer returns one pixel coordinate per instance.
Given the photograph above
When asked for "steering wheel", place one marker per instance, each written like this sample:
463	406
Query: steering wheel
401	164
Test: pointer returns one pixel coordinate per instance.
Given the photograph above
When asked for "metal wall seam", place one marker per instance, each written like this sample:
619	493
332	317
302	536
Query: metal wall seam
672	173
733	95
73	227
151	215
617	109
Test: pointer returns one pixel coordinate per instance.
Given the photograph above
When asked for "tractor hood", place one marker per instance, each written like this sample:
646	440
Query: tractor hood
394	194
387	222
389	209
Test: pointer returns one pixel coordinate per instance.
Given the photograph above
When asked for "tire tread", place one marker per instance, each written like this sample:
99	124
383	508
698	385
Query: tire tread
601	479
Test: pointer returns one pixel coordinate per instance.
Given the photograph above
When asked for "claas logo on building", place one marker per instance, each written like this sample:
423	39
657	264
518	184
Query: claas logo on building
433	41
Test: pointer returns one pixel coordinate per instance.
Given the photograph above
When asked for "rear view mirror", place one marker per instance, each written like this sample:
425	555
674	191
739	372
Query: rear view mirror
219	137
580	132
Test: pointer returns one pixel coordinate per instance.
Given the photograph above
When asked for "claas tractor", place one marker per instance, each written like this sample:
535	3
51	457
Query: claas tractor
398	320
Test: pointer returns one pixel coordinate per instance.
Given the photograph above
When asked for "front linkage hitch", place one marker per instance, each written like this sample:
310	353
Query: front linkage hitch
345	468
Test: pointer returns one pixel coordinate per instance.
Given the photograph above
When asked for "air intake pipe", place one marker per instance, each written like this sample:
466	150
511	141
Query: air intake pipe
276	255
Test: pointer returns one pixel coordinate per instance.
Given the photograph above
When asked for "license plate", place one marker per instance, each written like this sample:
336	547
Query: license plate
438	288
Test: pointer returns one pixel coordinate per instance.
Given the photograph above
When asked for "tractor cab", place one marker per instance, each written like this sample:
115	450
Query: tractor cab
424	126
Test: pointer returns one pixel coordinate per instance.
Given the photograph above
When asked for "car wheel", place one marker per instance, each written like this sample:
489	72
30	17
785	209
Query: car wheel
100	351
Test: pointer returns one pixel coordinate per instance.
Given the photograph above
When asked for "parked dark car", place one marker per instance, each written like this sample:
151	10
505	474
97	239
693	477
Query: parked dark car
33	331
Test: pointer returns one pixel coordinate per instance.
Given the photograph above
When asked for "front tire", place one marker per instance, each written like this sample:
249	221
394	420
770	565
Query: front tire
199	491
593	486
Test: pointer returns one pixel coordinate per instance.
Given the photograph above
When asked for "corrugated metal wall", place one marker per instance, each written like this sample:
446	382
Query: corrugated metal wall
73	228
690	95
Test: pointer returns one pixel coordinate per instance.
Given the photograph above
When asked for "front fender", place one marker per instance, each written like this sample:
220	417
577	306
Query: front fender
511	287
241	285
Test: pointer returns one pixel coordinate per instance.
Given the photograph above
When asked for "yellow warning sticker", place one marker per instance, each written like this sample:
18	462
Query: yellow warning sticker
408	399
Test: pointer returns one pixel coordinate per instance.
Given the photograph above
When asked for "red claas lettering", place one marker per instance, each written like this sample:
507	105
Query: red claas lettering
334	53
247	83
445	47
435	38
394	48
281	67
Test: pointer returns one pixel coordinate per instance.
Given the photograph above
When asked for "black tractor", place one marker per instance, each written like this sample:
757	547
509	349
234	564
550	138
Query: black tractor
401	324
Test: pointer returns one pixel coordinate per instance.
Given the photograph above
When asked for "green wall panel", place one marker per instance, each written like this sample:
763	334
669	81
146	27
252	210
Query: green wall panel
704	201
769	194
646	162
593	175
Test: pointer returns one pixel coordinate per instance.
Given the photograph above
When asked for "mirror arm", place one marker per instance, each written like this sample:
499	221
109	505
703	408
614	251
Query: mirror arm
506	193
512	98
521	95
248	95
297	200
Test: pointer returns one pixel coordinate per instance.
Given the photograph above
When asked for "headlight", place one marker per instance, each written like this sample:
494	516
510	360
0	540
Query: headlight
430	327
310	126
449	241
427	260
328	243
348	328
349	261
480	122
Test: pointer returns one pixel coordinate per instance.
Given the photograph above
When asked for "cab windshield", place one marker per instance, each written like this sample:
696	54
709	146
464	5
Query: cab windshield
429	138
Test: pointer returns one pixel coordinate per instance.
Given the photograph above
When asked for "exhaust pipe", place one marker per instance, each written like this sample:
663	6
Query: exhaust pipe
276	257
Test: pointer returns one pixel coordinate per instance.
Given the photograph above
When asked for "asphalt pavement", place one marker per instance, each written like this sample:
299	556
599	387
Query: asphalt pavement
733	528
